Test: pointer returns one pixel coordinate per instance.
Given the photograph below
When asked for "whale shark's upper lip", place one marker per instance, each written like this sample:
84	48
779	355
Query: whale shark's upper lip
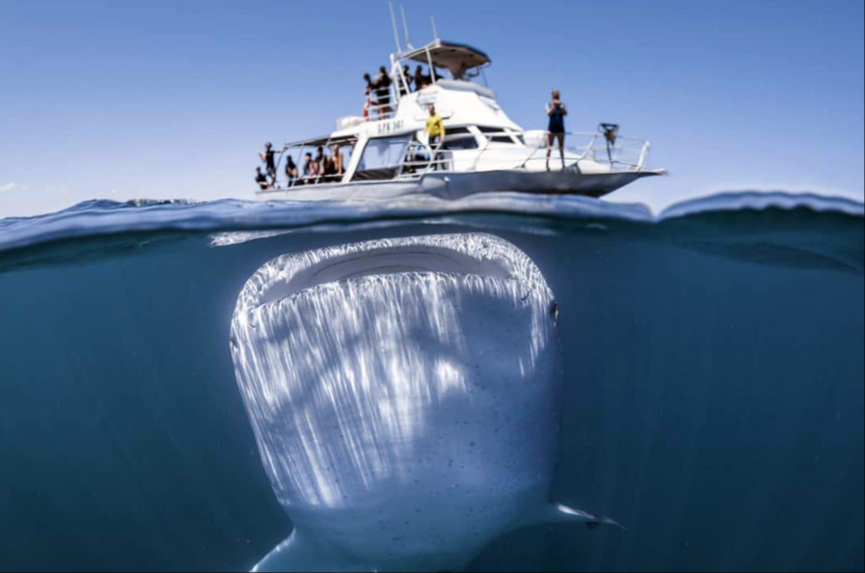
458	254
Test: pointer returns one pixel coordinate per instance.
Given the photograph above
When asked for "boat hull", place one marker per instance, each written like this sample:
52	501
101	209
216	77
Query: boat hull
456	185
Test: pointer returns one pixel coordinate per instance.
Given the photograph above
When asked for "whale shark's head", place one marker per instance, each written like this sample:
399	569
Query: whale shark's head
404	395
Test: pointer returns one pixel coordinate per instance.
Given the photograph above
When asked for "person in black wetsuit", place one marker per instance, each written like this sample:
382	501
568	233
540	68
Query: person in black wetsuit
261	179
370	86
382	91
556	111
270	163
419	79
290	171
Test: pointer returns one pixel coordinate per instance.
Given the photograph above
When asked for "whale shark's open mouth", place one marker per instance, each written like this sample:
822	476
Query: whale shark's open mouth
459	254
414	376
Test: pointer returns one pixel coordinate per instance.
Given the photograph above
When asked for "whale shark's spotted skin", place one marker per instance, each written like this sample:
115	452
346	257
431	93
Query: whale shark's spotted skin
404	396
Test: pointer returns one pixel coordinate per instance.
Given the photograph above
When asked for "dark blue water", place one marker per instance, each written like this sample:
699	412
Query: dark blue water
714	367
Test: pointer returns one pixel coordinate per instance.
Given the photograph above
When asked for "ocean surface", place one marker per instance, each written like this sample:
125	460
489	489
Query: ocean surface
713	360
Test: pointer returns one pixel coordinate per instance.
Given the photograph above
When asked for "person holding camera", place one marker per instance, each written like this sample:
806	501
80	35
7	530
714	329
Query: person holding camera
556	111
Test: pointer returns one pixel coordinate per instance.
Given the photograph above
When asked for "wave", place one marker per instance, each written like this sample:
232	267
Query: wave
103	217
799	230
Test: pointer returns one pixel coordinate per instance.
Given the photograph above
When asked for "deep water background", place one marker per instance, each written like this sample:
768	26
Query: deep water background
714	401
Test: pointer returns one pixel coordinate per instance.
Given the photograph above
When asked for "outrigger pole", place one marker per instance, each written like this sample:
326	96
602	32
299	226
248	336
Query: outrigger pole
408	45
395	31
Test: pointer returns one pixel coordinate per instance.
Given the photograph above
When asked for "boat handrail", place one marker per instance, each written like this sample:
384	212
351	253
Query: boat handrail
629	154
374	111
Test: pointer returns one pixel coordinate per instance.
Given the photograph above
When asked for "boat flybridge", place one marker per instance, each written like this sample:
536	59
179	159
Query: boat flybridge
386	153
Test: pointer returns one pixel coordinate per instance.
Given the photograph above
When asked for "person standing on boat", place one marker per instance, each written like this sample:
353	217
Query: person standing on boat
435	129
556	111
382	91
267	157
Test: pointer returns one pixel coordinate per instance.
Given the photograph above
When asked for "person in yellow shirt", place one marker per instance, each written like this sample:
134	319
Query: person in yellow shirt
435	128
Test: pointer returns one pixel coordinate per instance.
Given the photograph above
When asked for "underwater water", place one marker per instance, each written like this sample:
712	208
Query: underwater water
712	363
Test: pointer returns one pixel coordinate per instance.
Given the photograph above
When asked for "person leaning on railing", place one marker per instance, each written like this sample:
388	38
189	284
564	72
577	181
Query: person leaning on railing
435	129
422	80
368	101
310	168
405	84
261	179
290	171
337	160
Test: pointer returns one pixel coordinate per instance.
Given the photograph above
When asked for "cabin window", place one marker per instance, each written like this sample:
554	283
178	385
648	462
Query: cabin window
459	138
499	134
347	148
381	158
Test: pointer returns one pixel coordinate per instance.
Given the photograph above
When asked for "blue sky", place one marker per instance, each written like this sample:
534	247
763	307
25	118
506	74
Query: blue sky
173	99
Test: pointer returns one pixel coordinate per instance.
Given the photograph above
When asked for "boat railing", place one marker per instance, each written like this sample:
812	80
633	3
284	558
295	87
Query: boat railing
627	155
375	111
420	159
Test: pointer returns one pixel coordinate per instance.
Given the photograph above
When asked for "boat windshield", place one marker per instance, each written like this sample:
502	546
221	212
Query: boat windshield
382	157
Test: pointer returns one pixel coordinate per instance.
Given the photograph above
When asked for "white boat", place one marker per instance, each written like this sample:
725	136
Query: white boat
386	153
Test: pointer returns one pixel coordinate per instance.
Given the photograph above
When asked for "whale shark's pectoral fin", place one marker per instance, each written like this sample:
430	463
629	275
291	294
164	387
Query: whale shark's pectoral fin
563	513
300	553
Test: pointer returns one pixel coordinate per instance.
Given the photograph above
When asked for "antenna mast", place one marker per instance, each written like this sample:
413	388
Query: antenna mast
395	31
408	45
435	32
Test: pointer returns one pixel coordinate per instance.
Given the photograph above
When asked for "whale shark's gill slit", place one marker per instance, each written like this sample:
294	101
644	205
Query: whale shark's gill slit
404	396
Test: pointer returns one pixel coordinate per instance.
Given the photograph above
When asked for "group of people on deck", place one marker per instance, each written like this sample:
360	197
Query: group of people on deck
319	168
377	91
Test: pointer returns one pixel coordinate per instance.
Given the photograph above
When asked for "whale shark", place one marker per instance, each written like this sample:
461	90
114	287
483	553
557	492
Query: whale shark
405	399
